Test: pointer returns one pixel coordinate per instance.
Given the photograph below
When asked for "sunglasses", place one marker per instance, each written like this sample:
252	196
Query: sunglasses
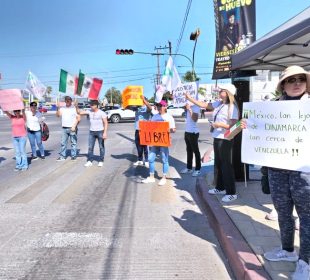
33	105
296	80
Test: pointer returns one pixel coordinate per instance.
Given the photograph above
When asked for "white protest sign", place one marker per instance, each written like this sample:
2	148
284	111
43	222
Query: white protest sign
277	134
179	99
11	99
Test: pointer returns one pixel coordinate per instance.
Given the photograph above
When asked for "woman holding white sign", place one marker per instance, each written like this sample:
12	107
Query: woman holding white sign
225	115
292	188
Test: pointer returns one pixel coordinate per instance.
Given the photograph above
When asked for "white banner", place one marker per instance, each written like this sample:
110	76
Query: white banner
179	99
277	134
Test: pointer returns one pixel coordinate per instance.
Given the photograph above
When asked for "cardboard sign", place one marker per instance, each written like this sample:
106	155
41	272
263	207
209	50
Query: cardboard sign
277	134
179	99
11	99
132	96
154	133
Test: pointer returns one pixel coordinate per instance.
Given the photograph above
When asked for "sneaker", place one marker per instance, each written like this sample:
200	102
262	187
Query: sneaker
278	254
88	164
146	164
272	216
34	158
60	159
43	157
148	180
100	163
17	169
196	173
186	171
229	197
73	158
216	191
162	181
302	271
139	162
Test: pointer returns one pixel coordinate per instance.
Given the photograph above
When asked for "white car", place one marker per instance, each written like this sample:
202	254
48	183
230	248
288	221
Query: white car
117	115
176	111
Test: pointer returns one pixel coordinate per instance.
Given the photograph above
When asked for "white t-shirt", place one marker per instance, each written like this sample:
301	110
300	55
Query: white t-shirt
222	115
164	118
33	121
68	116
191	126
95	118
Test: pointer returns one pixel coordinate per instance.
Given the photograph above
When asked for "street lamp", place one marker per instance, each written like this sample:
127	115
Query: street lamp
193	37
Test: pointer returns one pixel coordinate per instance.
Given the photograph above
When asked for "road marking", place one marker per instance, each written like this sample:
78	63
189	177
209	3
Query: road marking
76	240
39	186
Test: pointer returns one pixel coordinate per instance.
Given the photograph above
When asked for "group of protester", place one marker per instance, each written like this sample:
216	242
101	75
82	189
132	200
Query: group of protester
288	188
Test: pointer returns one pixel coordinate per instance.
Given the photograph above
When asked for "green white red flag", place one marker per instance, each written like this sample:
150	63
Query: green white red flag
89	87
67	83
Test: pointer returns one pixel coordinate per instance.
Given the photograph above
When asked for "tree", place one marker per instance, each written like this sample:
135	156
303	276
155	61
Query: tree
190	77
113	96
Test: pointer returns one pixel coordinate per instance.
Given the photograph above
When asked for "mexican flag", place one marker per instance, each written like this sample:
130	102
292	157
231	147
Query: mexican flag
89	87
67	83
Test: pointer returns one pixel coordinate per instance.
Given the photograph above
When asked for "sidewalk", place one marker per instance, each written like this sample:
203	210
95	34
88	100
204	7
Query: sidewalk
242	229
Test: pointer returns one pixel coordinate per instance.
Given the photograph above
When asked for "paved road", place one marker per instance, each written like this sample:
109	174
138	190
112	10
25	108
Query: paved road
60	220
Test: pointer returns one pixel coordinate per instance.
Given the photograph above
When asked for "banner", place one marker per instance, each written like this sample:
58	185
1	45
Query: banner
154	133
235	29
132	96
34	85
67	83
179	99
89	87
11	99
170	79
277	134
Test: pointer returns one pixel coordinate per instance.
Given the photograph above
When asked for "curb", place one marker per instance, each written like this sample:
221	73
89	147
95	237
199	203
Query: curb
242	260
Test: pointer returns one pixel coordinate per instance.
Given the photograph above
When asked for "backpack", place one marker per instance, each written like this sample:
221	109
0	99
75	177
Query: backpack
44	131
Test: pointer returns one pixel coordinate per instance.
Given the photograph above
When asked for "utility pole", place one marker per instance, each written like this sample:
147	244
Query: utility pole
158	54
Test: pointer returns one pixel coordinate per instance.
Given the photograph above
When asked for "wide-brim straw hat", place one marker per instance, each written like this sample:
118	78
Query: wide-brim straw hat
228	87
291	71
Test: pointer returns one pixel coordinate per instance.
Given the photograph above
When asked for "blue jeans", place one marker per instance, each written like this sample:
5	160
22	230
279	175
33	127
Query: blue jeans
93	135
66	134
164	151
20	152
36	137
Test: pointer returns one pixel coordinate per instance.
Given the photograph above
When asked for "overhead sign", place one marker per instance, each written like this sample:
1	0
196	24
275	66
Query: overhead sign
154	133
277	134
132	96
11	99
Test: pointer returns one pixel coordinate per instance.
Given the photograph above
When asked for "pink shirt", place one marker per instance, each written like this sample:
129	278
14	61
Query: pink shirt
18	127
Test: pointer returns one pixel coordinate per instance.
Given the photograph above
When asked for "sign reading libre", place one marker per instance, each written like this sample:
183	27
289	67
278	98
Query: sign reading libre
154	133
132	96
277	134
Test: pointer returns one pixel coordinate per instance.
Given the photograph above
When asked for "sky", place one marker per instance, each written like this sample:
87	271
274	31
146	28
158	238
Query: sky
44	36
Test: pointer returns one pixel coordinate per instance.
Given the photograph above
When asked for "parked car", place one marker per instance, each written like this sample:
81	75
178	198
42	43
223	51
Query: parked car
176	111
42	109
117	115
109	107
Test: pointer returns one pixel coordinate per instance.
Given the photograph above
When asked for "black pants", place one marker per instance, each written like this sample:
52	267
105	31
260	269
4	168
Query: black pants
191	141
224	175
142	149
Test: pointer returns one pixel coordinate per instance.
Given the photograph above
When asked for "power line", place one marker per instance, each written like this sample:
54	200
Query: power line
183	25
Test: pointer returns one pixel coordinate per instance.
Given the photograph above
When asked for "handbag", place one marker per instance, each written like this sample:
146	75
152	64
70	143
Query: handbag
45	133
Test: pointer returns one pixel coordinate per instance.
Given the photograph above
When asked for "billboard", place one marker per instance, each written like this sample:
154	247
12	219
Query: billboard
235	29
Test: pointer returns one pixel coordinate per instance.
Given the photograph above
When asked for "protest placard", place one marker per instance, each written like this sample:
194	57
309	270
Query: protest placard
154	133
179	99
11	99
277	134
131	96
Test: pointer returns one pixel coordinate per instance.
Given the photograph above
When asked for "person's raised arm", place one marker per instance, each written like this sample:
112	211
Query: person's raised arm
58	112
147	104
201	104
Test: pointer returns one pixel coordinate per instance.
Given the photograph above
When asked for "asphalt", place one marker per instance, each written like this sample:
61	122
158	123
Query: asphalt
241	228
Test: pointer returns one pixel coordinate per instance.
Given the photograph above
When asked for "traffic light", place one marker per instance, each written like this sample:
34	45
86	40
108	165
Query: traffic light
125	52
